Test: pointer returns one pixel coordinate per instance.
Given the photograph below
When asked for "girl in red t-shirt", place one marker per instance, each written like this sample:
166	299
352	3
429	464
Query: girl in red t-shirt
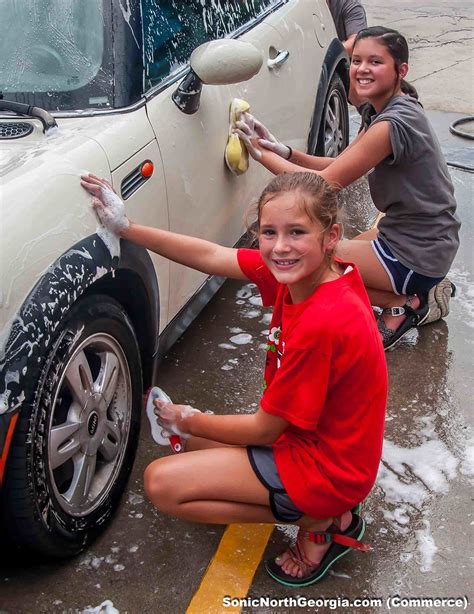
311	451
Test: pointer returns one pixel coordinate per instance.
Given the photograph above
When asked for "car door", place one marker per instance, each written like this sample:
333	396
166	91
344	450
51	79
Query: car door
205	199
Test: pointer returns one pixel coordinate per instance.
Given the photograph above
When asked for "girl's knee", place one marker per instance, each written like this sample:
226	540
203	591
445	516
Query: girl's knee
157	482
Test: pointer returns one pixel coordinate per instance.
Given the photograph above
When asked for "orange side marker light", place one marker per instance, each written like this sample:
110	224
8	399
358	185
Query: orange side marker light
147	169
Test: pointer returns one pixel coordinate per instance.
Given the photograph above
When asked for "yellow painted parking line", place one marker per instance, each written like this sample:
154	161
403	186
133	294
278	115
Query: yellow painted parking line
232	569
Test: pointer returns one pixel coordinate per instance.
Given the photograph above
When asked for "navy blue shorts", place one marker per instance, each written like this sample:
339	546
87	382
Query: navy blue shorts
403	279
263	463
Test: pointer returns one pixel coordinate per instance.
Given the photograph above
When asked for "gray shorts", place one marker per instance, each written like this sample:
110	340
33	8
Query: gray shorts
263	463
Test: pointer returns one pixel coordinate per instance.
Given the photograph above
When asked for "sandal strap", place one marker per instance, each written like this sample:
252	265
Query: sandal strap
394	311
299	558
325	537
333	535
403	310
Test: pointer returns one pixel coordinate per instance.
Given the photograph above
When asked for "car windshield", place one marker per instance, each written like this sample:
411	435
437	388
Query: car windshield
52	53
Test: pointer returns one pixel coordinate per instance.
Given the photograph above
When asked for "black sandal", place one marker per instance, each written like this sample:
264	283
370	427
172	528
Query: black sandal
341	544
413	318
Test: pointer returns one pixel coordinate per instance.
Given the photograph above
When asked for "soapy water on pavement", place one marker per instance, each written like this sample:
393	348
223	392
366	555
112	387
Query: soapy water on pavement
241	339
464	301
106	607
426	547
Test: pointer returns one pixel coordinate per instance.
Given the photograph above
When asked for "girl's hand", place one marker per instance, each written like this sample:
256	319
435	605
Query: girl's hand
107	204
248	136
171	416
264	136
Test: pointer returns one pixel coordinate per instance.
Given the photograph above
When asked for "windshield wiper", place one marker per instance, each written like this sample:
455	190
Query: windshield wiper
46	118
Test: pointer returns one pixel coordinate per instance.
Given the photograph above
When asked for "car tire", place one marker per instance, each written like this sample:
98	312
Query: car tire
76	437
333	135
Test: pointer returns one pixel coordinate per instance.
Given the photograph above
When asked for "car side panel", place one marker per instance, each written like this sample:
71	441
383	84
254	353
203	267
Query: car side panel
148	206
287	107
204	198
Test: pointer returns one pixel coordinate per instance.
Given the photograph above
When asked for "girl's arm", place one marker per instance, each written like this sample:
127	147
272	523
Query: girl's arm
368	150
315	163
198	254
318	163
257	429
299	161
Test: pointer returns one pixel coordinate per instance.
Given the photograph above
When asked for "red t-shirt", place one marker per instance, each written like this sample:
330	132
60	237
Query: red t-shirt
326	375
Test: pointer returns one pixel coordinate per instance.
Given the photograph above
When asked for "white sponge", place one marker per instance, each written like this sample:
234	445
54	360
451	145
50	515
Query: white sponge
172	435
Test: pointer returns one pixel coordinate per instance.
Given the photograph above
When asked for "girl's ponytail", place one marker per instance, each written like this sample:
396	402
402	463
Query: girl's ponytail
408	88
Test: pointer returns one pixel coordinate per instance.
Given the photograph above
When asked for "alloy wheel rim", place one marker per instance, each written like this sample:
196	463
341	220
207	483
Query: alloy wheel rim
333	126
89	424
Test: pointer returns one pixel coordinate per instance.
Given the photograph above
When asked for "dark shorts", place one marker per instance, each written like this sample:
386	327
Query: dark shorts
403	279
263	463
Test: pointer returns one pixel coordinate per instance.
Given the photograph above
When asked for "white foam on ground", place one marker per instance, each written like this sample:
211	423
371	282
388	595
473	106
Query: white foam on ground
266	318
245	292
241	339
91	562
256	301
409	477
464	294
226	346
134	498
426	547
106	607
467	463
251	313
339	575
431	462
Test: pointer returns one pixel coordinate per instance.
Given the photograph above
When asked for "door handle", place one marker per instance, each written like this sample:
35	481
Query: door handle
282	56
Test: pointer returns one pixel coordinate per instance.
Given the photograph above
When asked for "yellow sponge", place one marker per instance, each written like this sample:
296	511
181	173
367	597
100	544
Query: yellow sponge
236	154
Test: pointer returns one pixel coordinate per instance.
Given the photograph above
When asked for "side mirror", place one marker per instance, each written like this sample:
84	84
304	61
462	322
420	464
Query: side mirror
218	62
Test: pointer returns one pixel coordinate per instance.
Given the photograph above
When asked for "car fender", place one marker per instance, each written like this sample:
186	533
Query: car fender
335	60
85	268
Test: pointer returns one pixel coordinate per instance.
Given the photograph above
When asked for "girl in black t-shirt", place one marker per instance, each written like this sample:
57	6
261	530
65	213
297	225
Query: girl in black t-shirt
400	276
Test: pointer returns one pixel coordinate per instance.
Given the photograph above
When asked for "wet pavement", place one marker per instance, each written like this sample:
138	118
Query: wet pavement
419	515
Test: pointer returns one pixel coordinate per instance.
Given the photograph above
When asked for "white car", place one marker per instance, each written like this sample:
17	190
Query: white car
105	86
